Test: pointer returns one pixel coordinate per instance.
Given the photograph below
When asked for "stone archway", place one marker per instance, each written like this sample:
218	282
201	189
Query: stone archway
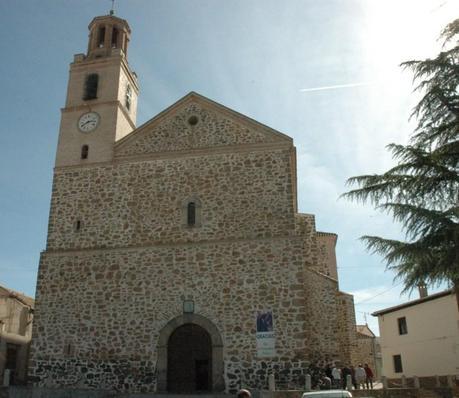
189	360
183	324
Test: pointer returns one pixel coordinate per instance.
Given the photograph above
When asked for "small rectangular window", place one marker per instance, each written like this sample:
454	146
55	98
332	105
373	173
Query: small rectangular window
69	349
84	151
402	327
398	368
191	216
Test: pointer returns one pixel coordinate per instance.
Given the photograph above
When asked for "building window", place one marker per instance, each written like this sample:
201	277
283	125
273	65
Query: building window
402	327
11	356
77	225
115	38
128	97
90	88
84	151
191	214
69	349
101	37
398	364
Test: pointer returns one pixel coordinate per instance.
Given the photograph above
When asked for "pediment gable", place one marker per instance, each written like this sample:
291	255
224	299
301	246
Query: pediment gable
195	122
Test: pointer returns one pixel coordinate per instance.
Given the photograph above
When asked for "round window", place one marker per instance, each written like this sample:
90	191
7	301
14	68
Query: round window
193	121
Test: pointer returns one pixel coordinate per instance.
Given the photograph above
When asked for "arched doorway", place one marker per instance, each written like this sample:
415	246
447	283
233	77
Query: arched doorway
189	360
179	366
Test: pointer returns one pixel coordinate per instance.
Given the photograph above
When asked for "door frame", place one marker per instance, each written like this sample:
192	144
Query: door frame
217	383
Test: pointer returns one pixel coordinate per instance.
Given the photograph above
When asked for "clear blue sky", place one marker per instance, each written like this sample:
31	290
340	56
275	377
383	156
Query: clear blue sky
276	62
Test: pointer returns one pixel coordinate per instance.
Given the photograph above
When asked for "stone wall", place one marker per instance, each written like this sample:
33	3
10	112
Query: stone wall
322	318
364	353
243	195
123	297
346	334
121	259
327	258
109	306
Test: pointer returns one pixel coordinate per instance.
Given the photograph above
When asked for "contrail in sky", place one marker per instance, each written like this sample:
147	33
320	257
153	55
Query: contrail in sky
334	87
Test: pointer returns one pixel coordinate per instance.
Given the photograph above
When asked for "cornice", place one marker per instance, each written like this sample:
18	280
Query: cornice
201	243
209	151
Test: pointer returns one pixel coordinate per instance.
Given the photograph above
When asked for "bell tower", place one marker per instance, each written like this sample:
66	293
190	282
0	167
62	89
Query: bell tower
102	92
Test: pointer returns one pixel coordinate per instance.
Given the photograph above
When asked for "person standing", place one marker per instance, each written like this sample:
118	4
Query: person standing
360	376
354	383
328	371
336	374
369	377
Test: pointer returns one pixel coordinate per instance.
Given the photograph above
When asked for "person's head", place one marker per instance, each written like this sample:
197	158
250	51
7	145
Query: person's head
366	365
243	393
360	365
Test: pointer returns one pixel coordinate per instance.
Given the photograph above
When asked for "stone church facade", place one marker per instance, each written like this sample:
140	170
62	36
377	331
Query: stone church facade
166	241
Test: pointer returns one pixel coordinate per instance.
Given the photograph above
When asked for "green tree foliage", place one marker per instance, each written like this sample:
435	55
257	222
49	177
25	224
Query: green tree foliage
422	190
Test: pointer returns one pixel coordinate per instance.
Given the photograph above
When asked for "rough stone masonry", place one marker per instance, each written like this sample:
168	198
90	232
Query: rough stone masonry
125	271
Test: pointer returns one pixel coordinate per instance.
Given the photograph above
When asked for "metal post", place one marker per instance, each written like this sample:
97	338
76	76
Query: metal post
307	383
271	382
384	382
403	381
348	382
6	377
437	381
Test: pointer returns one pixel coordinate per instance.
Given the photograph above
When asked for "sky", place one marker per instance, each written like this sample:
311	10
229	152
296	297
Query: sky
323	72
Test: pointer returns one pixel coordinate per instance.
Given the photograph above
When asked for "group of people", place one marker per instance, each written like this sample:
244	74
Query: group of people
333	376
337	377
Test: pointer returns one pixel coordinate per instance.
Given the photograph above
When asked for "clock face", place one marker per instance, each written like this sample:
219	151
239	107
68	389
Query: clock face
88	122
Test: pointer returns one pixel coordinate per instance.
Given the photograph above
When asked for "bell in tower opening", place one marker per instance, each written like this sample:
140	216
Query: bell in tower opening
108	34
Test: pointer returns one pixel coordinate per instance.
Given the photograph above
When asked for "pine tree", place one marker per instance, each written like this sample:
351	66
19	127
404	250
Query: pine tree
422	190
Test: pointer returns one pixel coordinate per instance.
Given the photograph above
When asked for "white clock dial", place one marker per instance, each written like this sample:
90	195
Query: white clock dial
88	122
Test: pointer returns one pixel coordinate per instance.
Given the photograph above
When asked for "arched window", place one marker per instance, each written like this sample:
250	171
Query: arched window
115	33
101	37
191	214
90	88
84	151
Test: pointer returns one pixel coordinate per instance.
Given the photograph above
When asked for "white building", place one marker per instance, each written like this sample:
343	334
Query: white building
421	337
16	315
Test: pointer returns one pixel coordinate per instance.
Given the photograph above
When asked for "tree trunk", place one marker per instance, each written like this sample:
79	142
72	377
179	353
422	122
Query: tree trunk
456	291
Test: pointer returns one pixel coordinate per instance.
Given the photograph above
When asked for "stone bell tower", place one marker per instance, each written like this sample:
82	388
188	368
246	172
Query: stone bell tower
102	92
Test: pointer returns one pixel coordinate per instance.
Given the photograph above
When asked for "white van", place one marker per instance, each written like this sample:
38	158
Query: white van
328	394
